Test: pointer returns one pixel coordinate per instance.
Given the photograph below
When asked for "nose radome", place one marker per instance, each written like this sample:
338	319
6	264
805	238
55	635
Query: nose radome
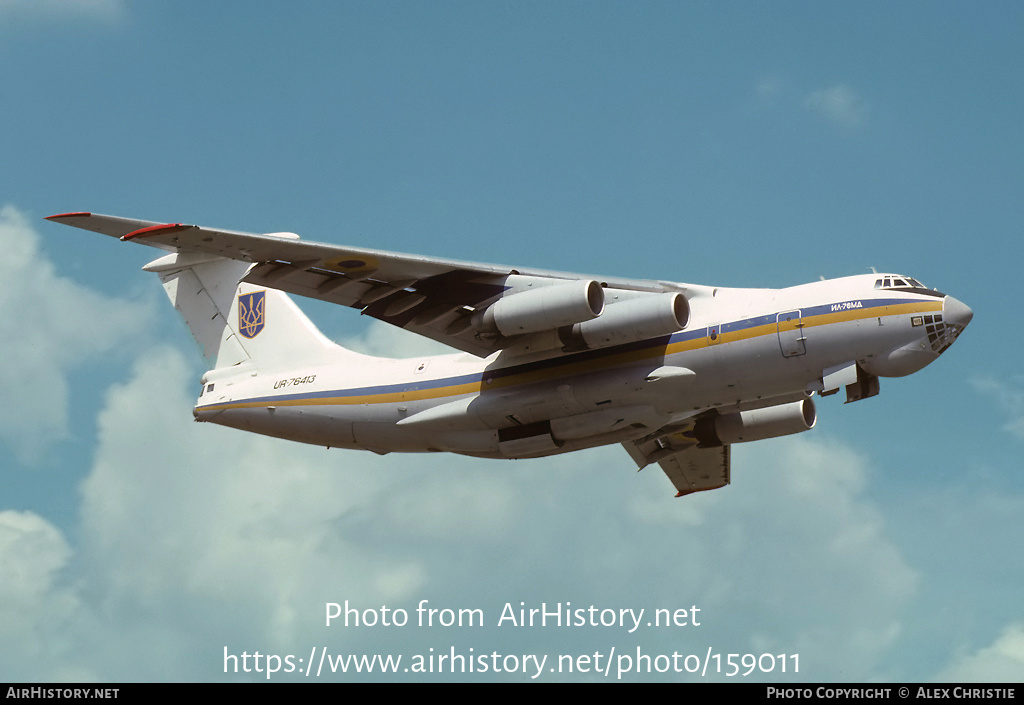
956	312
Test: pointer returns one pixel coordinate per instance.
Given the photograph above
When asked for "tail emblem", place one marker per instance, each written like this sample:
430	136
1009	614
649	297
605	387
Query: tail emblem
252	310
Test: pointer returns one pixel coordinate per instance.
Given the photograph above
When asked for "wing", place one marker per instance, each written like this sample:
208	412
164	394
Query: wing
689	467
430	296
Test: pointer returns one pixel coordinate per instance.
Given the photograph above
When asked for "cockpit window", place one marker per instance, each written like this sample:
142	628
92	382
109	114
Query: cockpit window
894	281
898	282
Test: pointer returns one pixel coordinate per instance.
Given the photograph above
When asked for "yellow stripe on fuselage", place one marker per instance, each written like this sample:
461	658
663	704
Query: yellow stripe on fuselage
592	365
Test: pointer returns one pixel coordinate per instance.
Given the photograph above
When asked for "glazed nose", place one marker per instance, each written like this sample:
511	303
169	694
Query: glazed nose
956	312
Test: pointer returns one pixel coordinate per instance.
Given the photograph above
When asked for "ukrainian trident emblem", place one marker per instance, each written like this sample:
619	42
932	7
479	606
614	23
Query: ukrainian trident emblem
252	313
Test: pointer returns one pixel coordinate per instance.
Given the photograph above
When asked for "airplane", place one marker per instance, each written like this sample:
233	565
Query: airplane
548	362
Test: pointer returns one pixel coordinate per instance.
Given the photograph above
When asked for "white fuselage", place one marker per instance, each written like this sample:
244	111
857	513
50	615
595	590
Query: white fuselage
741	348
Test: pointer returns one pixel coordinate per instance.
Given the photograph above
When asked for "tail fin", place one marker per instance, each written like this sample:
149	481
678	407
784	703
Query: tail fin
236	322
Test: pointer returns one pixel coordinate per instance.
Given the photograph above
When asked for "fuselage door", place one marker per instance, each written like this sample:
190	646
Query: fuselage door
791	333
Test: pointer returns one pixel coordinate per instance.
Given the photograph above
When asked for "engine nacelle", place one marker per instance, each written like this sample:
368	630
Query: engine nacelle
756	424
627	321
544	308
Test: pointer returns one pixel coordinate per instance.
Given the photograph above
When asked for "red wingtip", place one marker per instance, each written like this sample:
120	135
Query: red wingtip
68	215
156	230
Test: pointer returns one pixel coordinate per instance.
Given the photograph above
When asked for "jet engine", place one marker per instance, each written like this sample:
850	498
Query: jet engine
644	317
754	425
544	308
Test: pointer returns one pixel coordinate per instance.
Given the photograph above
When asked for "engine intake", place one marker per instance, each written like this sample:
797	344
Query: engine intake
544	308
755	425
627	321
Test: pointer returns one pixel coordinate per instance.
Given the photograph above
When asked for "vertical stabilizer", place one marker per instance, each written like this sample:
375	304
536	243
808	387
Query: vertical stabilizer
236	322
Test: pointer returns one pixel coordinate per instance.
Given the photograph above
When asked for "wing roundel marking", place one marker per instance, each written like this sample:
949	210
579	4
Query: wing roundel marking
351	264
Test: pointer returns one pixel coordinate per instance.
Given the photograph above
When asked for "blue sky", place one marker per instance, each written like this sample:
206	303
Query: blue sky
740	144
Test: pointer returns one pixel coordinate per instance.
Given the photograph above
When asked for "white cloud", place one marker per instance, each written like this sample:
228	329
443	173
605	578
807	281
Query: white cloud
36	611
840	104
223	506
1000	662
1009	395
196	537
187	524
797	537
48	326
32	551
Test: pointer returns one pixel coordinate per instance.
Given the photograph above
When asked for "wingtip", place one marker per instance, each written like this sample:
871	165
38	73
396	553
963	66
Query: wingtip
76	214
